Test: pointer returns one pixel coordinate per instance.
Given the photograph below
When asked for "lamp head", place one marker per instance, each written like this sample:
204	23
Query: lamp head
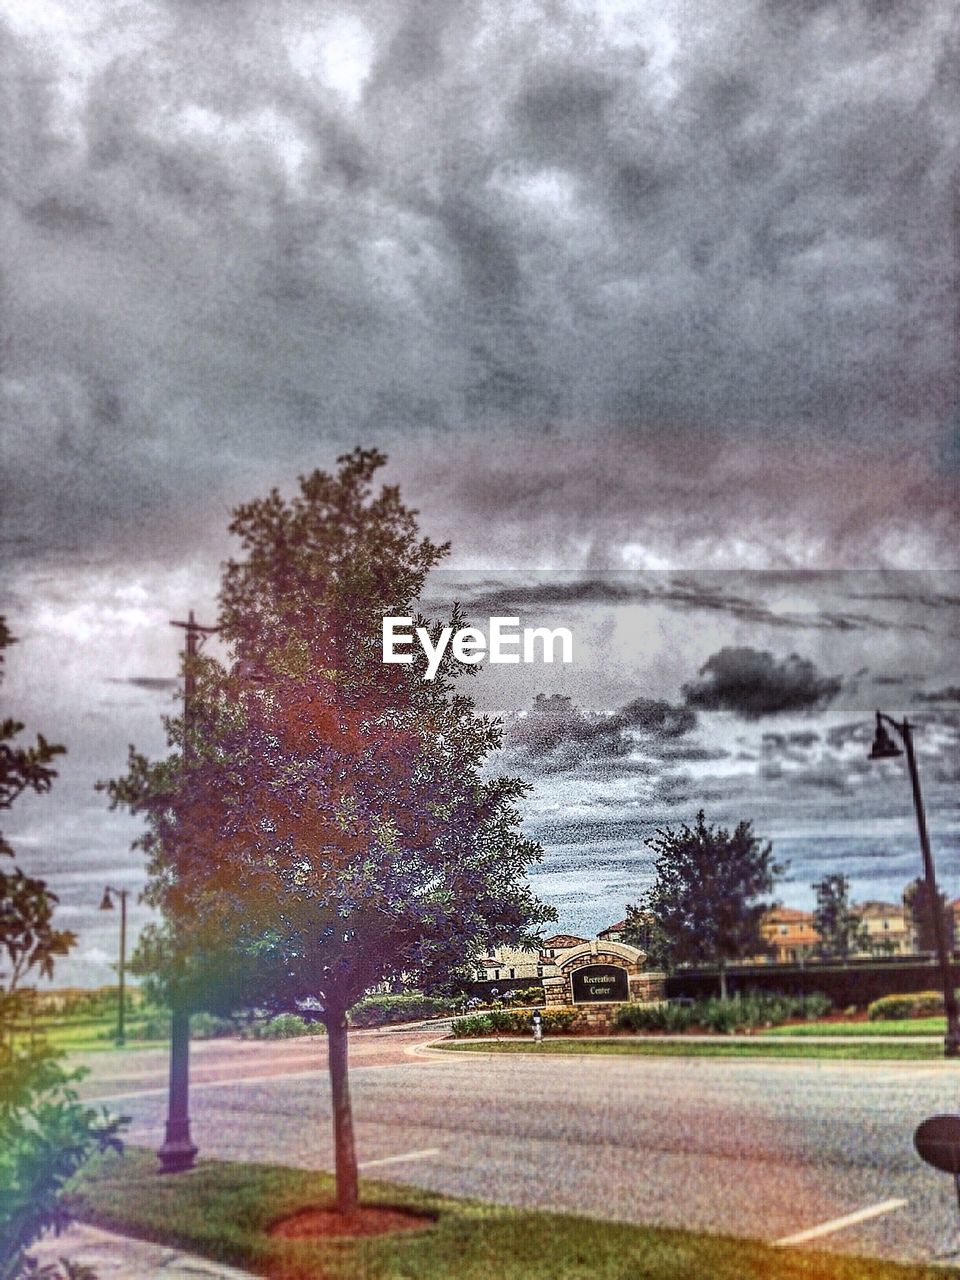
884	747
106	903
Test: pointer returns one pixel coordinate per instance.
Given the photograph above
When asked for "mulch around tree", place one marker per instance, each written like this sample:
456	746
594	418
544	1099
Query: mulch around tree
318	1223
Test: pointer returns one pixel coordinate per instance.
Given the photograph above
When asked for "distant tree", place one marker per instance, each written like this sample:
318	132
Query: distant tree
841	929
641	930
705	899
917	900
45	1133
333	823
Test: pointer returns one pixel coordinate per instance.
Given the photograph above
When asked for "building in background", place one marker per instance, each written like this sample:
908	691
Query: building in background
790	936
888	927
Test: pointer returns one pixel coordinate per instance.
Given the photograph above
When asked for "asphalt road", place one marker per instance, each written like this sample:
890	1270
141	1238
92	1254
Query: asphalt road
764	1148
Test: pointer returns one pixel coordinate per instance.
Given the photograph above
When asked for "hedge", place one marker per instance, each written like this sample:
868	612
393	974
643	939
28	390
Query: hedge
738	1014
918	1004
512	1022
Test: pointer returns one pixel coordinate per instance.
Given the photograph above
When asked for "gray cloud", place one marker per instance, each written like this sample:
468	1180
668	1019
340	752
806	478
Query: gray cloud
555	734
633	245
949	694
753	683
151	683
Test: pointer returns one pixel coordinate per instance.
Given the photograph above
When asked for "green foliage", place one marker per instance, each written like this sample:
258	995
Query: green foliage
323	822
379	1011
46	1135
285	1026
918	1004
334	828
841	929
513	1022
742	1013
705	900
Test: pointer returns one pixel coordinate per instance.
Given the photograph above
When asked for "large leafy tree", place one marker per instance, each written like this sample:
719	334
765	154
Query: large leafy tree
45	1133
705	906
841	929
334	823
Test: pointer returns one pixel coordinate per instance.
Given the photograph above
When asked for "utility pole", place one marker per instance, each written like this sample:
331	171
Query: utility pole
178	1152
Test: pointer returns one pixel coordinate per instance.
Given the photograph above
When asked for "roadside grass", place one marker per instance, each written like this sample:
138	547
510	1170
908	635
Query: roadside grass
720	1048
223	1211
87	1035
935	1026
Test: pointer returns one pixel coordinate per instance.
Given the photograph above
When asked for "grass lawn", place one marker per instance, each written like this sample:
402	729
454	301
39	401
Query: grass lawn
222	1210
718	1048
71	1035
895	1027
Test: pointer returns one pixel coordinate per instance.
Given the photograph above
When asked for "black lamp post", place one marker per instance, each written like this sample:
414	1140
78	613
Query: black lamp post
178	1151
106	904
884	748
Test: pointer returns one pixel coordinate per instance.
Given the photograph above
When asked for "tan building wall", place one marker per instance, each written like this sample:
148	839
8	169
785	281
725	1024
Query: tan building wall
791	935
889	927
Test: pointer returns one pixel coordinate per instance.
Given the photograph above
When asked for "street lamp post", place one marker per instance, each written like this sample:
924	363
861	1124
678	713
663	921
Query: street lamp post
178	1152
884	748
106	904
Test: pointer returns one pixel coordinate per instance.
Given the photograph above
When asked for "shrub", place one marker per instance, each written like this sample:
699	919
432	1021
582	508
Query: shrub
816	1005
477	1024
209	1026
919	1004
512	1022
283	1027
724	1016
378	1011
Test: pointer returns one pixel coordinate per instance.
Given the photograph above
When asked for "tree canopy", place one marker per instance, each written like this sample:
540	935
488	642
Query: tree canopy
705	906
333	820
841	929
45	1133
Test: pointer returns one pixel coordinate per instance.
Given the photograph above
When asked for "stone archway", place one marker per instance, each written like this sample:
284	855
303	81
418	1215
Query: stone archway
601	974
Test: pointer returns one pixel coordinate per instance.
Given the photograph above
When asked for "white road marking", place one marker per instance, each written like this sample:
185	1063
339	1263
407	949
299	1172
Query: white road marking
410	1155
838	1224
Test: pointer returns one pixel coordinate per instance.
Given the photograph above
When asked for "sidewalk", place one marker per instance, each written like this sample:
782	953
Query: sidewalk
116	1257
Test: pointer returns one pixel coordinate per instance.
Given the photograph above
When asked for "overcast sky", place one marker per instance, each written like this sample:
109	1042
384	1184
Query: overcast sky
616	286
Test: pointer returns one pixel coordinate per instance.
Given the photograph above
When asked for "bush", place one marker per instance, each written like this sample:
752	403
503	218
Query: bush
209	1026
919	1004
46	1135
379	1011
723	1016
513	1022
283	1027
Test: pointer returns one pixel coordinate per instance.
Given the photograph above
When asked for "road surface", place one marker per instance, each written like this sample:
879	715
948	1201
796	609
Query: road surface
768	1149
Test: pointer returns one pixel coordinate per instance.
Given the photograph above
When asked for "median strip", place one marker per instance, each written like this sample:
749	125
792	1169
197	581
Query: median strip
838	1224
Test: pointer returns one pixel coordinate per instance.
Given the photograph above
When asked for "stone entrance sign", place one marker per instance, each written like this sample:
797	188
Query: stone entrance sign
599	982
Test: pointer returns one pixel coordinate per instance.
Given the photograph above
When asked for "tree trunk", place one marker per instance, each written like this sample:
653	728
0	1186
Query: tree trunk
723	979
345	1152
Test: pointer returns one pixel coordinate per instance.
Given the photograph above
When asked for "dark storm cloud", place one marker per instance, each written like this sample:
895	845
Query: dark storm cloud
624	245
788	746
153	683
555	734
949	694
706	592
753	683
